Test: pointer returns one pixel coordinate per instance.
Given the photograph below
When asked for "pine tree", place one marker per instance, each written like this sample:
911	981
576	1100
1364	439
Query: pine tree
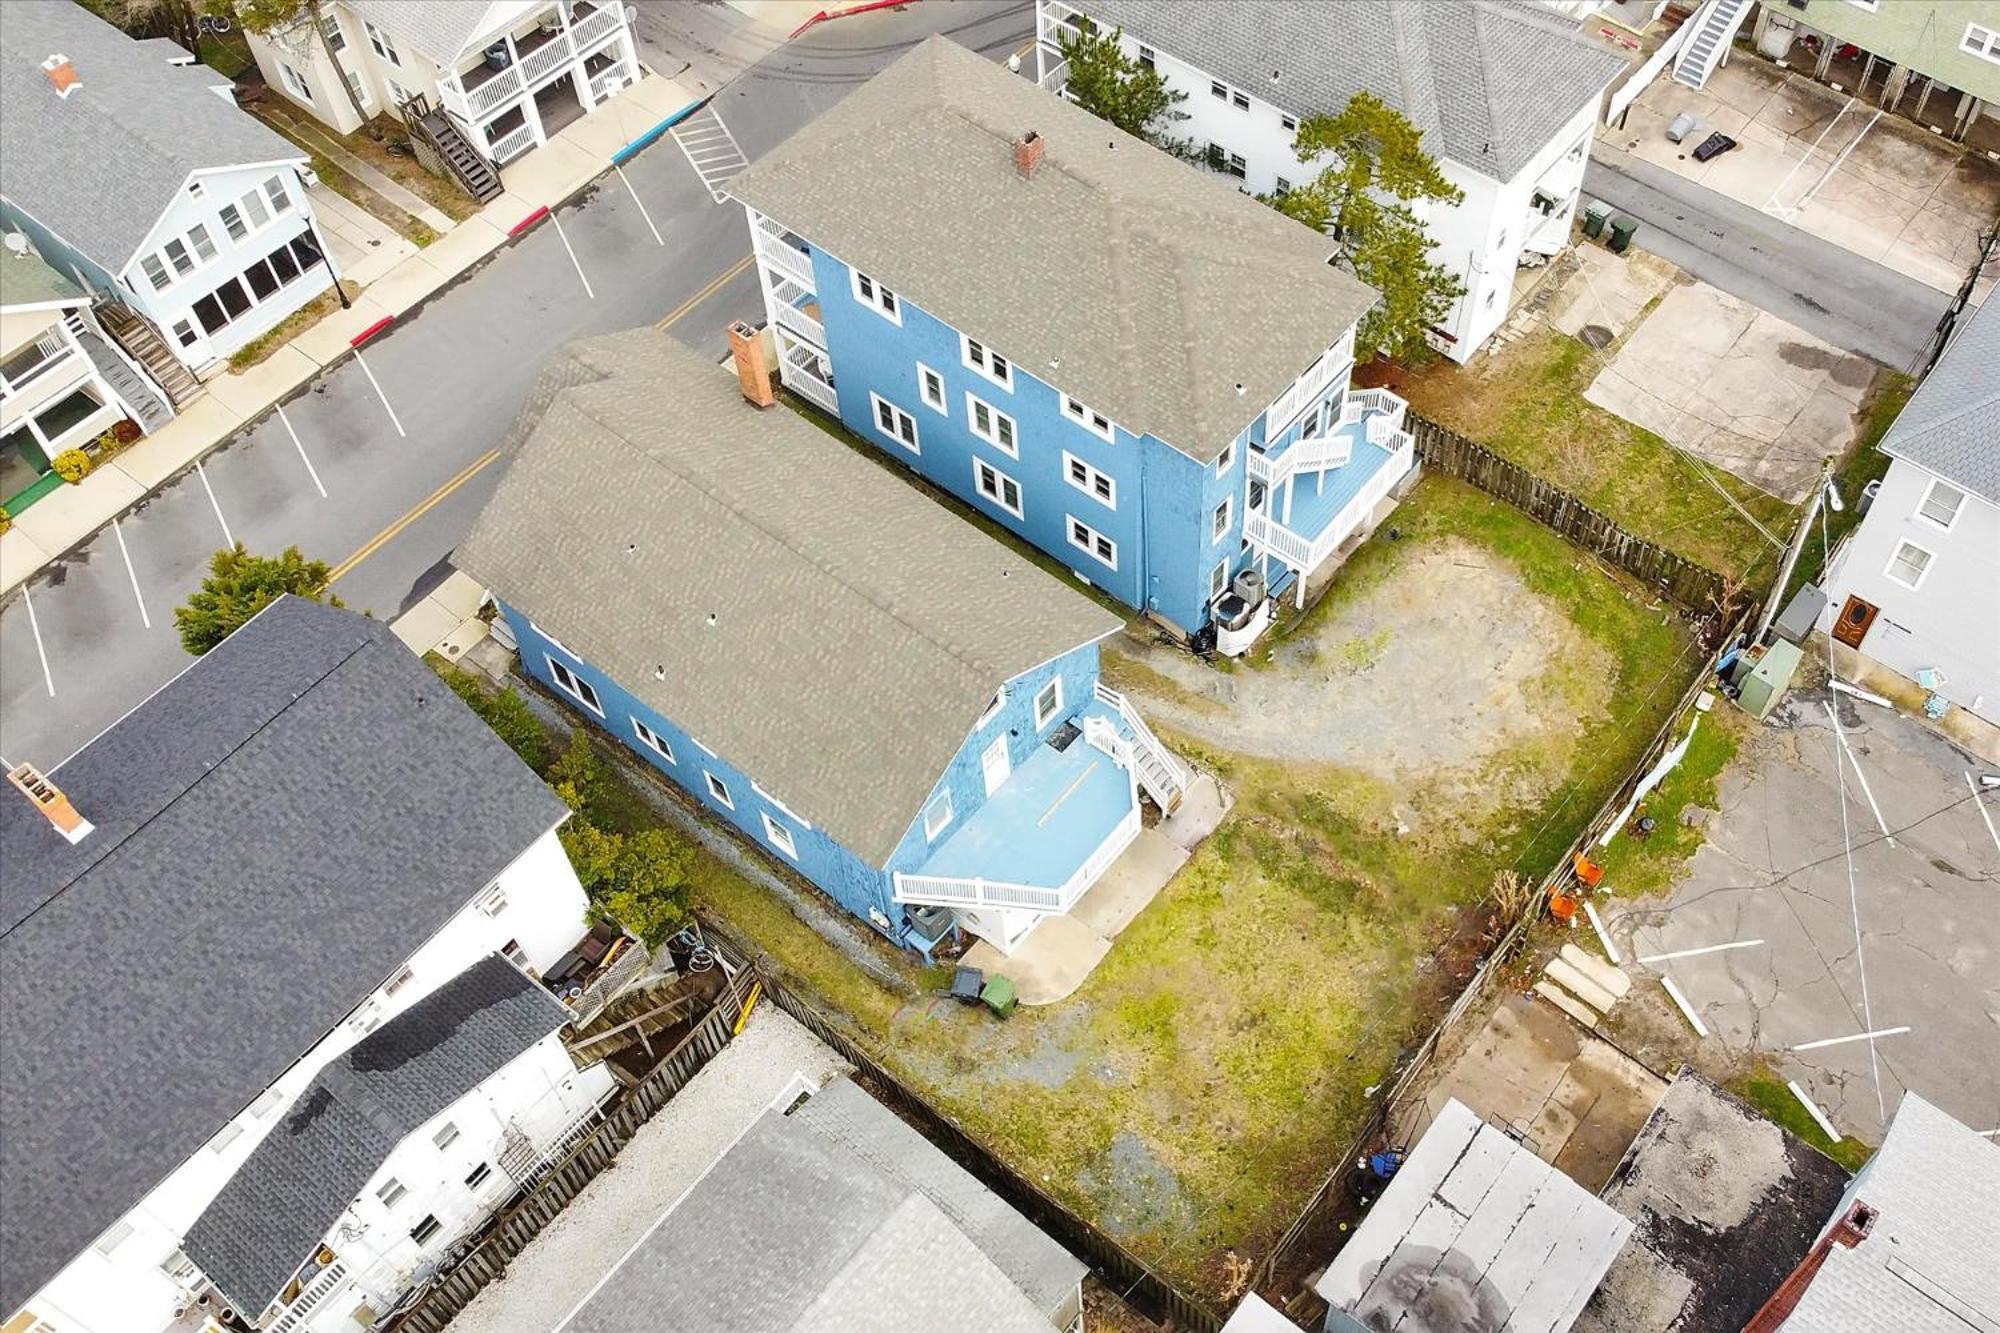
1112	86
239	585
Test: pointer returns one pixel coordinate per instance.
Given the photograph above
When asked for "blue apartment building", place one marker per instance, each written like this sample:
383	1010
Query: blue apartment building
883	698
1135	368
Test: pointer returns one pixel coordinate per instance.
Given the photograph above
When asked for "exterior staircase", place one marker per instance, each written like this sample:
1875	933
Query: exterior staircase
143	343
135	388
1161	776
1715	28
448	148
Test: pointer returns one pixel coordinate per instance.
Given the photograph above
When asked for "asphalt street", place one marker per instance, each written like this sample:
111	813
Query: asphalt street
1831	293
91	636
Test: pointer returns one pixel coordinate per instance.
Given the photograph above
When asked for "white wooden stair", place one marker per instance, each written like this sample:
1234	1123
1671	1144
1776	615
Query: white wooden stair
1717	22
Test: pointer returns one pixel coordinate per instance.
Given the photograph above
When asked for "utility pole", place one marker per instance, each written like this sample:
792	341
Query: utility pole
1989	247
1792	551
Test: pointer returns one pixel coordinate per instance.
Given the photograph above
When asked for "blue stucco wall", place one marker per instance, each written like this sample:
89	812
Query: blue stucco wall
1165	499
844	876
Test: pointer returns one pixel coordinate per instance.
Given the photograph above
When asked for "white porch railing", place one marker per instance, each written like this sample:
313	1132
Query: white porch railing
546	59
950	891
798	367
595	27
313	1294
1305	554
1165	777
513	143
785	259
608	82
799	322
1306	390
476	105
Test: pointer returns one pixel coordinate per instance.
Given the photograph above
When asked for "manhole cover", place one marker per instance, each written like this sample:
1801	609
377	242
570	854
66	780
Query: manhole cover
1595	336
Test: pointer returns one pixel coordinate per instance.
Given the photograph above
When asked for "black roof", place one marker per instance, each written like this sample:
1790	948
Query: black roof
277	829
318	1159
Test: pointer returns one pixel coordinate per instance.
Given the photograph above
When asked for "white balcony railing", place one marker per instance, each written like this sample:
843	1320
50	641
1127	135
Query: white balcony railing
799	368
1305	391
798	321
596	26
480	102
785	259
951	891
1305	554
513	143
610	81
313	1294
546	59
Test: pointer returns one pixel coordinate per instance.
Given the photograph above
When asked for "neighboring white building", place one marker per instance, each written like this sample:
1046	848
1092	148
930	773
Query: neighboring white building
137	175
509	73
298	839
1505	94
1917	585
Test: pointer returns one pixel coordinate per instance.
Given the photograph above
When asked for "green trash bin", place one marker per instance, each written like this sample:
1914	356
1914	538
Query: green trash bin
1622	230
1594	218
999	996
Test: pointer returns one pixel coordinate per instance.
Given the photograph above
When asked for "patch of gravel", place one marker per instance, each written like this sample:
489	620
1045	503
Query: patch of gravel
667	1156
1135	1189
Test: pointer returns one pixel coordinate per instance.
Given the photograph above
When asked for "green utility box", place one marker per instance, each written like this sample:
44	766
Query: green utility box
999	996
1767	679
1594	218
1622	231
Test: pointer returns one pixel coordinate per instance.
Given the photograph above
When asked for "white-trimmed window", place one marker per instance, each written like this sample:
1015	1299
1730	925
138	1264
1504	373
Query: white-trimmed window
391	1190
780	837
120	1232
424	1230
404	976
992	709
274	190
1941	503
653	741
937	816
1981	41
719	790
1087	417
1280	186
232	1131
1909	565
875	296
199	238
360	90
1048	702
983	359
574	685
1228	163
992	425
1288	122
233	223
1146	57
1086	538
379	40
895	423
295	83
996	486
1218	526
446	1136
329	23
930	388
1218	579
1225	458
477	1176
1097	485
493	901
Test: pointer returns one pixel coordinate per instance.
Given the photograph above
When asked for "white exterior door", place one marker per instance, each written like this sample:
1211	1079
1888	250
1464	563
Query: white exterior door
994	764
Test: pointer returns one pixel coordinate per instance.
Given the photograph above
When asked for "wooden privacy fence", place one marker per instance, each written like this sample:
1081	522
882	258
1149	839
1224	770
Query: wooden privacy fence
1122	1271
510	1233
1329	1196
1695	587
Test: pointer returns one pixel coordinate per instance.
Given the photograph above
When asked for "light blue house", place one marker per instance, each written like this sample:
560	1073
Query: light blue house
873	691
1141	371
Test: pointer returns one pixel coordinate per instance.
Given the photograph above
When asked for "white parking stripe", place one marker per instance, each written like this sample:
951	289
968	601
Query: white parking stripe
199	471
564	236
383	396
1980	801
35	626
711	150
640	202
1848	750
1690	953
1819	1116
1857	1036
132	574
311	471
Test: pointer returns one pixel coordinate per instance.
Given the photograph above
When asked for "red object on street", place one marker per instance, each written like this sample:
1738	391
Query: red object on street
848	12
371	330
528	221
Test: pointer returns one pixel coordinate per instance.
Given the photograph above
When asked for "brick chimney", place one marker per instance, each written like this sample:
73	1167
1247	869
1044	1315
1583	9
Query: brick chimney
1848	1232
747	346
1028	150
49	799
62	75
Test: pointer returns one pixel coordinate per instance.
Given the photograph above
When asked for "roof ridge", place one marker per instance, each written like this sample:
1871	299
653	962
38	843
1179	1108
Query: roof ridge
961	656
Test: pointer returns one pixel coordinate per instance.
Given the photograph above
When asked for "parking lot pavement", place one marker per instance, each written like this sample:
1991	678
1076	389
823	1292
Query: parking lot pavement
1773	879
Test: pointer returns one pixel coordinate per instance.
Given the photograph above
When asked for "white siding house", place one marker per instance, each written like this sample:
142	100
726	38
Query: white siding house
1917	586
308	875
1505	96
509	73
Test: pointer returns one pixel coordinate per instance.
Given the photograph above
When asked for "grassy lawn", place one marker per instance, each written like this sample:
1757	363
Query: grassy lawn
1891	392
1768	1093
1192	1094
1525	401
313	138
291	326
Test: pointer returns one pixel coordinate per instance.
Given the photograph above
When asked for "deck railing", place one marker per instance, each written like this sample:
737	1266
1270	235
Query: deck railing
546	59
1334	363
1303	553
954	891
1169	778
513	143
799	322
785	259
799	368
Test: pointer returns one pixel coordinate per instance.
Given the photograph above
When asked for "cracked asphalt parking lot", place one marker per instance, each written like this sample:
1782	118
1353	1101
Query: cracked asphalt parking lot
1773	869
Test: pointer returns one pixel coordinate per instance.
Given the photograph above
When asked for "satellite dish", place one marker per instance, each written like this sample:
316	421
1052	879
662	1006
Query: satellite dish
17	244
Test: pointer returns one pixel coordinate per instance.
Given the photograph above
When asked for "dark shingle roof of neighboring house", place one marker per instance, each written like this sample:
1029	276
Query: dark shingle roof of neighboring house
27	280
803	612
1723	1204
439	29
1931	1258
1167	300
277	829
288	1194
1951	425
99	167
1488	82
836	1217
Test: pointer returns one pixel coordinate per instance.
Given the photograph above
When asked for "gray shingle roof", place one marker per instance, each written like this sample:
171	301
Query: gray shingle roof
276	830
1154	289
99	167
439	29
1488	82
793	1231
859	627
1935	1187
336	1136
1951	425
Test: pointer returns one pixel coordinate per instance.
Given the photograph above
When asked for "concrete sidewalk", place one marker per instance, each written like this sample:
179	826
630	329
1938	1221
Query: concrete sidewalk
543	179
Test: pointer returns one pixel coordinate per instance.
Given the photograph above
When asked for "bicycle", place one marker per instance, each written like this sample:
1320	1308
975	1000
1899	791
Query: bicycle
212	25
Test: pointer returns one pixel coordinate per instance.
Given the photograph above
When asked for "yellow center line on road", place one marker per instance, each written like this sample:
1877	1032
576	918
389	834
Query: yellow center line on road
478	465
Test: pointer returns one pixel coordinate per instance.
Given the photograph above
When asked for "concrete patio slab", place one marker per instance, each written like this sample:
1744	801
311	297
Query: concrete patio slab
1607	290
1047	966
1132	882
